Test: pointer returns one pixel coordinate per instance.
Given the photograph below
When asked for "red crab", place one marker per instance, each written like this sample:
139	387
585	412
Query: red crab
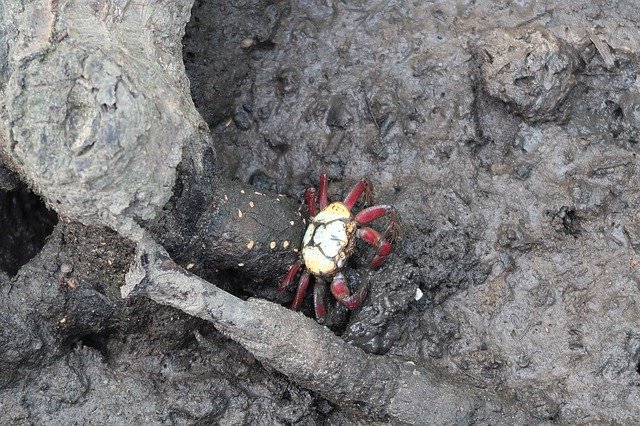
329	241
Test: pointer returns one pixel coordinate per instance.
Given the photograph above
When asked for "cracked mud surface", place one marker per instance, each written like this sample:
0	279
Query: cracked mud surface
520	206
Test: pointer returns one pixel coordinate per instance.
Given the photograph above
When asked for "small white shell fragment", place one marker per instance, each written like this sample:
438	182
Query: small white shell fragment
250	244
240	213
241	264
419	294
251	204
272	244
285	244
247	43
242	191
291	223
190	265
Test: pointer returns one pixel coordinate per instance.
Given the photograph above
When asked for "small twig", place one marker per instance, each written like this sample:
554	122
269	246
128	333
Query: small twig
535	18
604	51
369	110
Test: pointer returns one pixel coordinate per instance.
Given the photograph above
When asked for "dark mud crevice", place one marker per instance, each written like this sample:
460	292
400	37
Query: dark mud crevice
569	221
219	55
26	223
99	342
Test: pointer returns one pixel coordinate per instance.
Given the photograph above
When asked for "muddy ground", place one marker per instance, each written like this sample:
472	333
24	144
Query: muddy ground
505	133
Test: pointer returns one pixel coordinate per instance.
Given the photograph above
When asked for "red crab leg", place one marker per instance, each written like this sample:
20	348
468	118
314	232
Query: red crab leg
363	186
288	278
318	300
310	196
302	289
323	191
340	291
373	237
376	212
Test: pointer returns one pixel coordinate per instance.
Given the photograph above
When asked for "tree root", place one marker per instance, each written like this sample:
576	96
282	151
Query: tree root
379	387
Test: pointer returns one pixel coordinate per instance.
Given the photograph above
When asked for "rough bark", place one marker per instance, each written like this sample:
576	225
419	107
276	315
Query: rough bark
95	105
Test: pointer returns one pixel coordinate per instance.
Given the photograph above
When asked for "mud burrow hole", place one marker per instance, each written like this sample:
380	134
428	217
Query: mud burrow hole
25	224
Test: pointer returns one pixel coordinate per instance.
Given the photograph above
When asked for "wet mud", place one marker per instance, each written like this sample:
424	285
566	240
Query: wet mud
505	135
507	139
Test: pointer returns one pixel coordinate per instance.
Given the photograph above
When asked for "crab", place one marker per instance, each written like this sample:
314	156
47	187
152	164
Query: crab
330	240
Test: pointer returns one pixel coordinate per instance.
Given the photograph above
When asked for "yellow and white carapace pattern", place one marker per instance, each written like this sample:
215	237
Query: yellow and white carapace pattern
328	241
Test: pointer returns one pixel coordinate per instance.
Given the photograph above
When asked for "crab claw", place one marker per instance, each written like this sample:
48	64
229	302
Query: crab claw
341	292
374	238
